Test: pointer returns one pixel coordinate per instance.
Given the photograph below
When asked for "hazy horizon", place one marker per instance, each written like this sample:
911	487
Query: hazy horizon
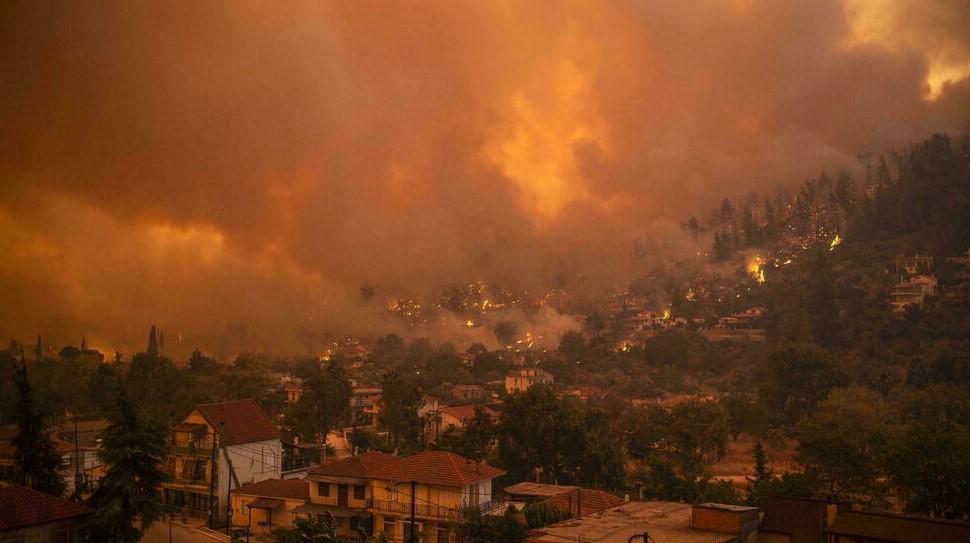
235	173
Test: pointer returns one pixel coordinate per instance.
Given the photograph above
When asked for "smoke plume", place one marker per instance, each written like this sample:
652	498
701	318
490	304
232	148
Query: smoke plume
236	171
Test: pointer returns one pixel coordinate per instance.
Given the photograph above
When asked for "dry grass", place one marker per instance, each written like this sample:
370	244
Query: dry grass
738	462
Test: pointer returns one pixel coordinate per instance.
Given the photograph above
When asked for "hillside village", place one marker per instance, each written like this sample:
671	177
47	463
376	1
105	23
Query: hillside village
783	384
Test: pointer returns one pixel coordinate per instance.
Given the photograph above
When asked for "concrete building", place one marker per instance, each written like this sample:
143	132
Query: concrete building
344	489
666	522
795	520
881	527
912	292
458	416
267	505
470	393
218	446
522	379
444	485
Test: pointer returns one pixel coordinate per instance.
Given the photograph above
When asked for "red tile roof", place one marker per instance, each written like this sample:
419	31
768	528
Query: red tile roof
243	421
361	467
585	500
22	507
287	489
467	412
439	468
536	490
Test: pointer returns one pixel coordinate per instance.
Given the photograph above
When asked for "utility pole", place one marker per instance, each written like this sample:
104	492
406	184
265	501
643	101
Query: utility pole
437	424
228	486
413	538
212	483
77	463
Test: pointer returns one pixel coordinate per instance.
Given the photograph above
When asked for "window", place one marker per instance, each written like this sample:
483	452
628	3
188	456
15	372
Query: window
359	492
323	489
407	532
389	523
473	494
444	536
62	536
354	524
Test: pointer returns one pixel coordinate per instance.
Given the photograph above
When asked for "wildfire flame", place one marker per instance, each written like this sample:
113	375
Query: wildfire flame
756	267
836	241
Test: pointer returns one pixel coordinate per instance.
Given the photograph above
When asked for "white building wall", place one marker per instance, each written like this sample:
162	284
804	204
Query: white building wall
251	463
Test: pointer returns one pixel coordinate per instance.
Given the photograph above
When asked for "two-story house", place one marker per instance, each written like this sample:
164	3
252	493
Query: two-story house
443	485
344	489
522	379
218	445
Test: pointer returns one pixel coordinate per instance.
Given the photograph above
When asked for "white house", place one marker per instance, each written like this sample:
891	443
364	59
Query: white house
244	444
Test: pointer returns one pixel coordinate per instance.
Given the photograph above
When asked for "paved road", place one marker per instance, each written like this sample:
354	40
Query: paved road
158	533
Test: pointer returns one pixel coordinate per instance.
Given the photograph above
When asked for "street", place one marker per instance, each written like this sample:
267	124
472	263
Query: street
158	533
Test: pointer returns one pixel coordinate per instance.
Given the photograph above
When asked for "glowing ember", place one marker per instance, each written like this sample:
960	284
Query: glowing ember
836	241
756	267
469	323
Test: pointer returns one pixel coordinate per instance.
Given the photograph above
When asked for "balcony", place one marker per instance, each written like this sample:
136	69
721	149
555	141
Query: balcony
432	511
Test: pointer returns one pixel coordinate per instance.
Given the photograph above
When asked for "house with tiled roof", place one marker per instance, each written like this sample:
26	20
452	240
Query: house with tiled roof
216	446
29	515
458	416
444	485
81	458
580	502
470	393
344	489
574	500
267	505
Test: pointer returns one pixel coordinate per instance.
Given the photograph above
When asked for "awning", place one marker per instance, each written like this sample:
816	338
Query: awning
264	503
337	511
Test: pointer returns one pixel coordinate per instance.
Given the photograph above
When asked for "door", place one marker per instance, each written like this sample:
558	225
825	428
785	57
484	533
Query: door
342	495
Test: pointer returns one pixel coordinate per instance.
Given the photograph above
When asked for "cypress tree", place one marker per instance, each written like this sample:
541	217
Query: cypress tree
39	350
132	446
153	343
35	454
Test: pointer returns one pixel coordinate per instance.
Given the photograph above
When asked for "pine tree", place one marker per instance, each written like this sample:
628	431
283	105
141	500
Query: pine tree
761	469
36	457
152	343
132	446
759	485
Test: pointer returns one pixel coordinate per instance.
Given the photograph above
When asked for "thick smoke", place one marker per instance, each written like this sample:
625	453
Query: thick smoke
235	171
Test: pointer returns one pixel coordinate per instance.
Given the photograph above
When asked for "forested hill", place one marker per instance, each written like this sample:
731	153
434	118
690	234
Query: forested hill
876	400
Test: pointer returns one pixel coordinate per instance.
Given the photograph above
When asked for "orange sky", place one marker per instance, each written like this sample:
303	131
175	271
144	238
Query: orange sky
234	172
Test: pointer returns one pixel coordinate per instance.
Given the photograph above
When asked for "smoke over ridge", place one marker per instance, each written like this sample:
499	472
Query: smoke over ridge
237	171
